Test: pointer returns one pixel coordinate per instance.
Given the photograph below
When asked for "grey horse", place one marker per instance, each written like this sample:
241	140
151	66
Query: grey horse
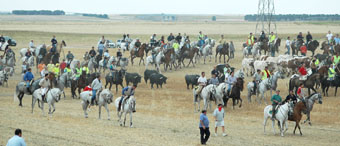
310	100
64	81
128	107
105	98
52	96
21	89
268	84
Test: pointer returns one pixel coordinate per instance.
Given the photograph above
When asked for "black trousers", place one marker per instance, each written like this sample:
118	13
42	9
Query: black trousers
205	132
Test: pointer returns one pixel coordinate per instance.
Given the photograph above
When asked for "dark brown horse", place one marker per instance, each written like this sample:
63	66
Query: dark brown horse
139	53
169	59
236	93
222	49
311	81
312	45
187	53
297	115
325	47
81	83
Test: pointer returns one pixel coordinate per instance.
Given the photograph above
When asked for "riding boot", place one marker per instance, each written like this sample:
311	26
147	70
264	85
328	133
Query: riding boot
29	91
273	112
43	98
119	105
92	102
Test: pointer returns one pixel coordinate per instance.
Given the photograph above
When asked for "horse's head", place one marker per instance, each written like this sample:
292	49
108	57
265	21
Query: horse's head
56	93
132	103
319	98
122	72
63	43
213	89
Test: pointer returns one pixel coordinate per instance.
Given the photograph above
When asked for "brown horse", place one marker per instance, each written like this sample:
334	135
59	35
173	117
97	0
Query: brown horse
297	115
311	81
222	49
187	53
312	45
139	53
236	93
169	59
54	57
325	47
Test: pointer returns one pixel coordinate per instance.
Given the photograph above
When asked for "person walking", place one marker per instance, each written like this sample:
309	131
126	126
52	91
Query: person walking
17	139
204	127
219	119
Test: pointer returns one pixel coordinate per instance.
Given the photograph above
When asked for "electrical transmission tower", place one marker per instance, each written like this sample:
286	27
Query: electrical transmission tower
265	17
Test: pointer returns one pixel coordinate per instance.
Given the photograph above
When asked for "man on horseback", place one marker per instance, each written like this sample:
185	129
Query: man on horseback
200	36
28	78
54	45
250	42
31	44
28	54
50	67
262	36
44	85
56	70
86	69
257	80
179	38
202	82
335	59
303	49
291	97
137	45
265	73
300	91
231	81
176	47
152	40
119	55
272	38
171	37
331	72
106	57
309	38
96	86
69	57
126	93
276	100
113	68
303	72
299	37
92	52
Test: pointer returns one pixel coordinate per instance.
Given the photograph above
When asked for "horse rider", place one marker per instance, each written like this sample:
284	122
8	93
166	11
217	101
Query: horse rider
2	40
175	45
257	79
265	73
96	86
162	41
303	49
8	54
201	44
77	72
291	97
50	66
335	59
56	70
272	37
127	40
31	44
314	65
153	40
226	71
179	38
222	40
231	81
102	39
54	45
62	66
86	56
262	36
67	69
69	57
250	42
92	52
187	41
300	91
44	85
113	69
154	53
276	100
214	80
126	93
101	48
28	54
86	69
202	82
215	71
119	55
299	37
106	57
44	71
303	72
28	78
200	36
171	37
137	45
309	38
331	72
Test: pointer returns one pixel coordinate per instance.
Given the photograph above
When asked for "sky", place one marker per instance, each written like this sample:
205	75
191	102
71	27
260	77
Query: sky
175	6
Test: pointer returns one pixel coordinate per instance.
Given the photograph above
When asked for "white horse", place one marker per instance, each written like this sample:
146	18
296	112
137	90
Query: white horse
29	61
74	63
4	77
269	84
10	60
64	81
205	95
207	51
23	51
248	65
91	64
105	98
255	51
281	116
221	91
128	107
52	96
157	62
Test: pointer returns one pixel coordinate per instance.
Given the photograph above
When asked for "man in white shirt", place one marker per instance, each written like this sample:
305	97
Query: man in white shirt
202	81
31	45
329	35
219	119
16	140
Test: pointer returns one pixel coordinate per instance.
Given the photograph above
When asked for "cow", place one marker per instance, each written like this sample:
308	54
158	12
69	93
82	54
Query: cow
191	79
158	79
135	78
147	74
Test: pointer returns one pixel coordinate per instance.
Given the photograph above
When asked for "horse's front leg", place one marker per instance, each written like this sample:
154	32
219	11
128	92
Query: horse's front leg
125	118
84	104
100	110
53	108
108	111
131	125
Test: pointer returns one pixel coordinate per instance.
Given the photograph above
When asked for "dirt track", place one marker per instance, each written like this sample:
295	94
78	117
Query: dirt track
164	116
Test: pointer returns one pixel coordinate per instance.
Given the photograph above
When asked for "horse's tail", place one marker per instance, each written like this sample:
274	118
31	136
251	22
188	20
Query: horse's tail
290	85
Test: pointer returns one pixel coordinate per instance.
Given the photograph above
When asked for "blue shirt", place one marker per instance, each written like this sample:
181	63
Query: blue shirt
16	141
337	40
204	119
126	89
100	46
28	76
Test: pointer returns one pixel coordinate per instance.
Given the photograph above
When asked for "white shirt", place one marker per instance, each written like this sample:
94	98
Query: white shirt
106	54
31	45
287	42
202	80
329	36
16	141
219	114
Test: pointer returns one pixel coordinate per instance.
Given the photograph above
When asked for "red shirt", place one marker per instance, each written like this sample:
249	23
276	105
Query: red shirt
87	88
303	49
299	91
62	66
302	71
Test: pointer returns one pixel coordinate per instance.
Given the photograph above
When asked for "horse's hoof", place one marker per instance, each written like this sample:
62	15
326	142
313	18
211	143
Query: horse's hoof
109	119
131	126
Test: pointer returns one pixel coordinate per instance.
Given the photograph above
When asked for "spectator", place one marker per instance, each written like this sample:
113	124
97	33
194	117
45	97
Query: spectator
288	45
329	36
219	119
63	66
17	139
204	127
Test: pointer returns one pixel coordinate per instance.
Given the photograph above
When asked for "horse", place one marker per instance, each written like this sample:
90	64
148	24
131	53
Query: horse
63	82
21	89
115	78
92	64
269	84
139	53
311	81
236	92
128	106
221	92
9	59
187	53
105	98
297	114
312	45
274	46
310	100
222	49
207	51
169	59
325	84
52	96
281	116
207	94
263	46
4	77
29	61
157	62
81	83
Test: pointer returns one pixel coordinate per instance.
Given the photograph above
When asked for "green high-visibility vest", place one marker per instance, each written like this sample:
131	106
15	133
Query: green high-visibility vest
317	62
331	72
336	59
78	72
265	74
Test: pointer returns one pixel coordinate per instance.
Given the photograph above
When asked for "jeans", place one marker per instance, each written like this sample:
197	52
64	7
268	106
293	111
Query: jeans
94	92
273	52
288	50
27	84
205	132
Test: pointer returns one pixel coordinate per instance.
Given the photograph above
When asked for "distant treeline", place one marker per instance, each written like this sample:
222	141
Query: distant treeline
105	16
38	12
299	17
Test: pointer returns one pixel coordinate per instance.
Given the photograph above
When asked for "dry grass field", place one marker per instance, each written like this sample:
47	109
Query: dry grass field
164	116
